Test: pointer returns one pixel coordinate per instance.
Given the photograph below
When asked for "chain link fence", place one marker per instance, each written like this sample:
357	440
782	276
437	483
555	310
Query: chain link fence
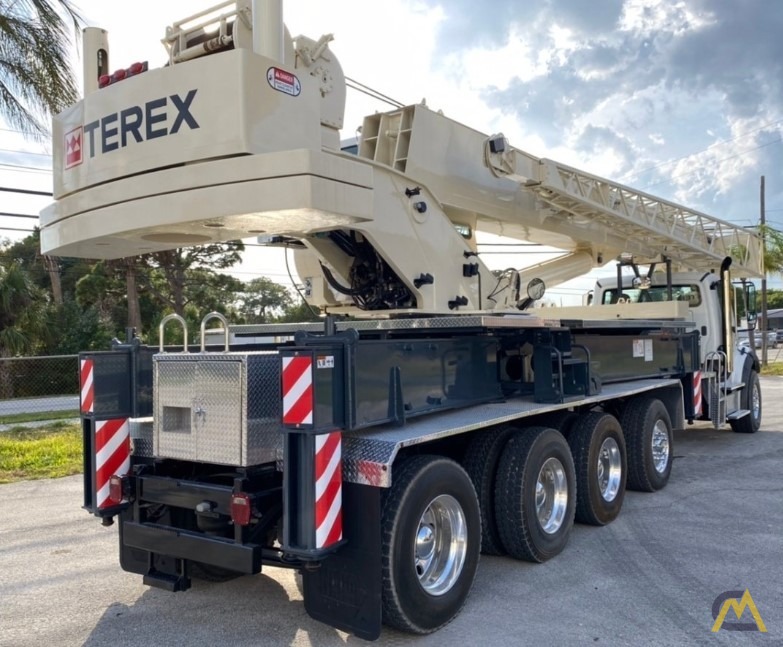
37	386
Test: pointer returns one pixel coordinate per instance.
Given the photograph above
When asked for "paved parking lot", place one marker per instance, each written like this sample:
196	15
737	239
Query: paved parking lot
651	577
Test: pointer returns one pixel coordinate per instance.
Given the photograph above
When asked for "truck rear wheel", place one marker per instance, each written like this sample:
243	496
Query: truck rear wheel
431	538
750	399
481	462
598	448
535	494
648	440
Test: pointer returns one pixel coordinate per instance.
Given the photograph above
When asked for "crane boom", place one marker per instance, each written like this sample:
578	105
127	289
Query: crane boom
694	239
158	159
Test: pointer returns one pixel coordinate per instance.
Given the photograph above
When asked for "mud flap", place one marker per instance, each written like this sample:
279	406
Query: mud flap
345	590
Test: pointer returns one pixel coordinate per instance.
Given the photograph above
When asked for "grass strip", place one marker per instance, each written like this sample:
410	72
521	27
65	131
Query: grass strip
14	418
50	451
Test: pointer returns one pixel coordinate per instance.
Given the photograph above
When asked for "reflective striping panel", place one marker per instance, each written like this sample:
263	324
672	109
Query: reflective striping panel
86	386
697	393
297	390
328	489
112	456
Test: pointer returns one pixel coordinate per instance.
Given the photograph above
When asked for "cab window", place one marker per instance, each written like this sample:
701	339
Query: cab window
654	294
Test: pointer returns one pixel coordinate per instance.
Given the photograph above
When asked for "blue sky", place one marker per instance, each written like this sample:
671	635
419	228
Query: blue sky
681	99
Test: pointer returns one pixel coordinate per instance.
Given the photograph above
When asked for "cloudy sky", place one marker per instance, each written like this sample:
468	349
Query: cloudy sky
681	99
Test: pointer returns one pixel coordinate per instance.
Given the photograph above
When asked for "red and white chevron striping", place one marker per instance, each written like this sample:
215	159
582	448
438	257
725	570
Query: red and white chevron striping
328	489
297	390
697	393
112	456
87	387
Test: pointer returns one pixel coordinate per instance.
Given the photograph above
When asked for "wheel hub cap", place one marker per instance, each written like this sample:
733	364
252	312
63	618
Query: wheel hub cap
610	469
551	495
441	545
660	446
755	405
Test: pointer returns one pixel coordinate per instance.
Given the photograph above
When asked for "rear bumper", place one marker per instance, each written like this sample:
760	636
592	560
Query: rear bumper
185	544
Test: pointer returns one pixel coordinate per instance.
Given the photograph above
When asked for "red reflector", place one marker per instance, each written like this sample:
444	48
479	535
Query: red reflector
136	68
116	489
241	509
104	80
119	75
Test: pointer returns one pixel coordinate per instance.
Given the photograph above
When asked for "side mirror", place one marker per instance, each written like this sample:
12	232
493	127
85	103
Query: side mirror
750	299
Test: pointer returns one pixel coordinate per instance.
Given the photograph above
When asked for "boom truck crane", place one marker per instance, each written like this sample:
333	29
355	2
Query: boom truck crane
432	414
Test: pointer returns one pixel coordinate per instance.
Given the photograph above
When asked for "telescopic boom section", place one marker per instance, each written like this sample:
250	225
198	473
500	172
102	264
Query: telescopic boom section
653	226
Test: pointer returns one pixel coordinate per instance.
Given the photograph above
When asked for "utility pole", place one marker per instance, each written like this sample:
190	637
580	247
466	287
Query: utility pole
763	221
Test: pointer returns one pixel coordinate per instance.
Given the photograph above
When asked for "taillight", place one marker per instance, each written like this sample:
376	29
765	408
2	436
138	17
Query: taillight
118	488
119	75
104	80
241	509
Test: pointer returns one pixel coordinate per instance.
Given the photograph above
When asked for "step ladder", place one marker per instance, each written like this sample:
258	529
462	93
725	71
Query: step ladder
719	390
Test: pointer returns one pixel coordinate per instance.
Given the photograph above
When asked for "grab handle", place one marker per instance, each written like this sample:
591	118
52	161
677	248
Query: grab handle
173	317
222	319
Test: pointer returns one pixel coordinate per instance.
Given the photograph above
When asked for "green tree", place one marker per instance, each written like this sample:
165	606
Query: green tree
23	321
180	277
773	249
263	301
774	299
299	311
36	78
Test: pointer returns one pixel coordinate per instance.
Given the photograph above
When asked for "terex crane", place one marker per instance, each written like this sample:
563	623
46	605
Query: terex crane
432	414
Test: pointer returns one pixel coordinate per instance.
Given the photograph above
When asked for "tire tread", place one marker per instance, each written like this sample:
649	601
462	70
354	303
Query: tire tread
515	532
481	462
635	423
405	474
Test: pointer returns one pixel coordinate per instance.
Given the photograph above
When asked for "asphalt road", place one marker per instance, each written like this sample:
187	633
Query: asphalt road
648	578
36	405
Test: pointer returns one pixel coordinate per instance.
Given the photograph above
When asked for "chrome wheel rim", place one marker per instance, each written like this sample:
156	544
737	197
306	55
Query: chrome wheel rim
551	495
610	469
755	401
660	446
441	545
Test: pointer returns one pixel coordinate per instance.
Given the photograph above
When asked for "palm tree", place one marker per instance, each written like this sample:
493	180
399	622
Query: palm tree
22	319
36	77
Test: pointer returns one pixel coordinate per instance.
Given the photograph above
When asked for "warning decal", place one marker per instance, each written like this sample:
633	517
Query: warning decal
325	361
283	81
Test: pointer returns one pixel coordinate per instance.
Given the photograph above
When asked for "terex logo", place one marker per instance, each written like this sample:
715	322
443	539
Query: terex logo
73	147
141	123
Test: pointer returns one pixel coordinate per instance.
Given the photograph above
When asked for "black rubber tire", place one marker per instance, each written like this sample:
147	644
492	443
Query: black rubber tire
481	462
515	492
751	423
640	416
209	573
586	438
417	482
562	420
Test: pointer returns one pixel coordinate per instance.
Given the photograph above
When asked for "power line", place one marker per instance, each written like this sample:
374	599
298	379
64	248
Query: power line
17	215
18	152
30	231
725	159
684	157
47	194
20	168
